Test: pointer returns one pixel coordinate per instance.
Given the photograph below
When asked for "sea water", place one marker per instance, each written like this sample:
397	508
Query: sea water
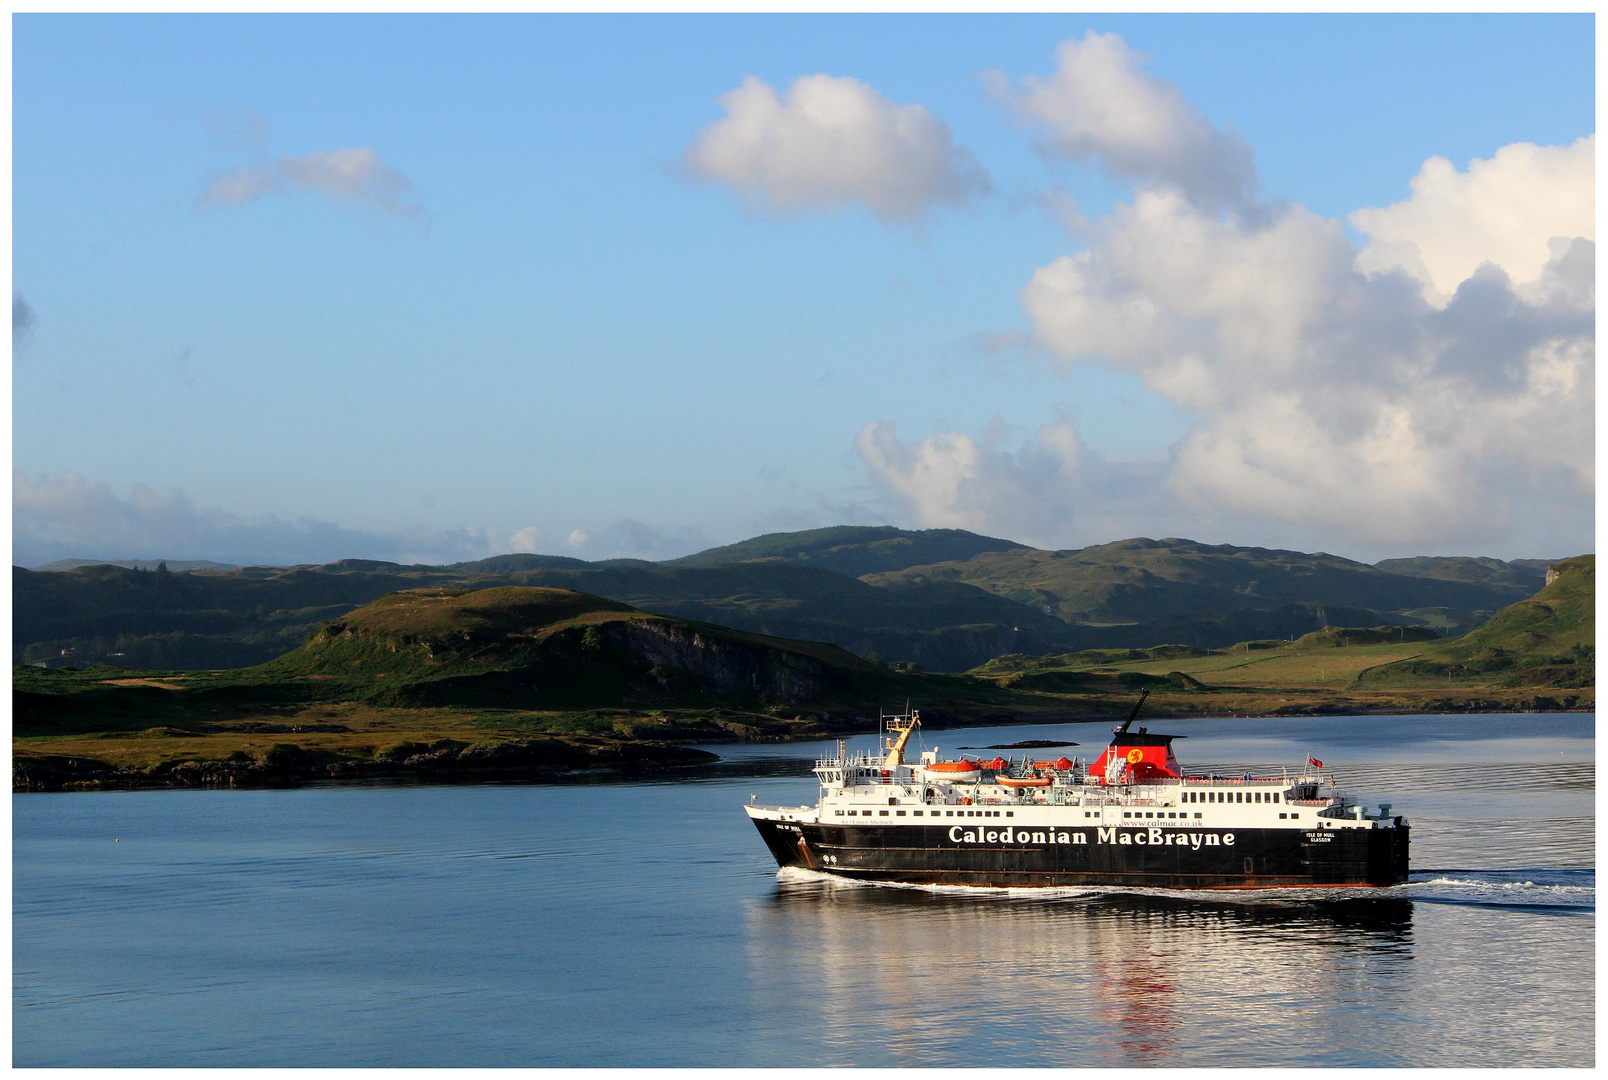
643	923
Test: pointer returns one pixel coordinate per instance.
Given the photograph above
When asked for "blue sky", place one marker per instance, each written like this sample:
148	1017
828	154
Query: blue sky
545	330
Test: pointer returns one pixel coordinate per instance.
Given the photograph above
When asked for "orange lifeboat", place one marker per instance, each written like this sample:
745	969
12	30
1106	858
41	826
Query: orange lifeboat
1023	781
960	772
1060	764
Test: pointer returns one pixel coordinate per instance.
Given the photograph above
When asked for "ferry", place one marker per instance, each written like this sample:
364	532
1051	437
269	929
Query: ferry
1132	819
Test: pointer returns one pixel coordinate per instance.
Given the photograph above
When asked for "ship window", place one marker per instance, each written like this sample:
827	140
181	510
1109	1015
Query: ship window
865	813
883	813
1275	796
899	813
1239	796
918	813
1199	814
949	813
1282	816
1010	813
1258	796
1126	814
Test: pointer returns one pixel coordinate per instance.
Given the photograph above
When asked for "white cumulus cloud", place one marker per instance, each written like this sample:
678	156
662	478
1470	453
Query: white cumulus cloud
1341	400
1435	388
1101	104
526	540
1510	209
1050	489
828	142
628	538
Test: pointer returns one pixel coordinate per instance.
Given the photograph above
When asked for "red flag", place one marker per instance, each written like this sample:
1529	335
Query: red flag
1314	762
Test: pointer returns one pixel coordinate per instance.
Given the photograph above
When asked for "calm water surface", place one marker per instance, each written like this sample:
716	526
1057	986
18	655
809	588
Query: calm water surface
643	923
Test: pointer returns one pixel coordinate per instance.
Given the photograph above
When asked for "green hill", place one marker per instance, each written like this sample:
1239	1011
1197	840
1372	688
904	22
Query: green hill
239	618
983	598
459	681
1344	637
1148	581
1524	573
520	648
855	550
523	647
1547	640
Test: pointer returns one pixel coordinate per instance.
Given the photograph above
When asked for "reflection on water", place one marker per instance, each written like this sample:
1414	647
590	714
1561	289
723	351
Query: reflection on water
939	976
925	977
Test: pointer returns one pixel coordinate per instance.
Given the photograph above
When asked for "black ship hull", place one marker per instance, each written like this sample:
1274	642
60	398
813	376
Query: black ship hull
1123	857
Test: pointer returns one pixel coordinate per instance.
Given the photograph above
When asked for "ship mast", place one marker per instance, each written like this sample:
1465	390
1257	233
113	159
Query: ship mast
900	728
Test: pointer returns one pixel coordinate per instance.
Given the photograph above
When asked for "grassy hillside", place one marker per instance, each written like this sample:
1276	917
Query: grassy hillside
509	647
1149	581
450	676
1536	654
239	618
1524	573
1547	640
945	616
855	550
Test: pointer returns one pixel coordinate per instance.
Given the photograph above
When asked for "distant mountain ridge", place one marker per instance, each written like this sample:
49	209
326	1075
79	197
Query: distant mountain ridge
1142	580
854	550
861	588
176	565
1526	573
